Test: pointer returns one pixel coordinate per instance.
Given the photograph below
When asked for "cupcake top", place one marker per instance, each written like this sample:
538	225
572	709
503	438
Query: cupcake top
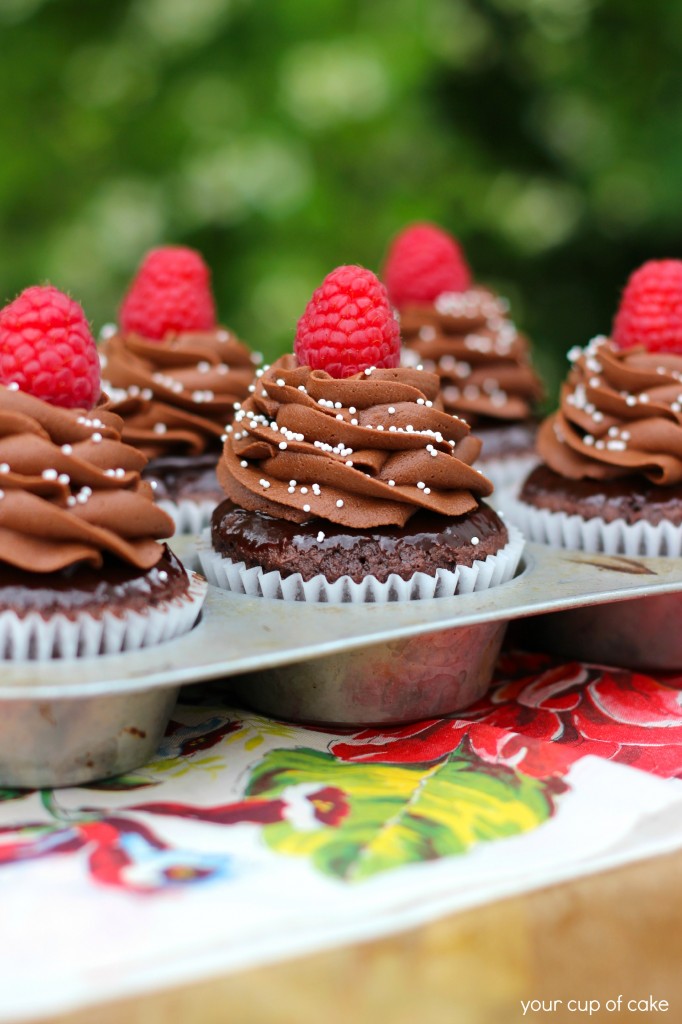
173	374
71	490
459	330
361	450
620	410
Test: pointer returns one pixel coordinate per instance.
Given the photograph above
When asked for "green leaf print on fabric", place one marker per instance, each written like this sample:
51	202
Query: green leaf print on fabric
356	820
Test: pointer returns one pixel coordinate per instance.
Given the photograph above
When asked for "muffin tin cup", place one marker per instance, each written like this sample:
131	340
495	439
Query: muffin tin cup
70	742
483	574
69	721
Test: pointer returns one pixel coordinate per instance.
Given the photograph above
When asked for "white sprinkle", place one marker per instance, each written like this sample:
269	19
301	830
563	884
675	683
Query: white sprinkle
391	483
475	541
264	483
13	386
154	484
354	423
306	508
71	501
421	485
320	536
339	503
96	437
64	478
428	403
352	410
283	446
291	490
391	410
120	473
163	575
49	474
292	483
280	382
304	490
644	398
337	405
67	449
203	366
236	406
349	463
588	439
420	401
243	464
427	490
631	400
339	415
160	428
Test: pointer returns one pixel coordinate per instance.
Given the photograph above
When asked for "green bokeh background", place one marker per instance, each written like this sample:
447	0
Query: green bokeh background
283	137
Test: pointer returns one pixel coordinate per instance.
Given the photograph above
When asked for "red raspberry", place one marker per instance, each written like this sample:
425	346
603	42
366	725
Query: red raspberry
47	349
348	325
423	262
171	292
650	311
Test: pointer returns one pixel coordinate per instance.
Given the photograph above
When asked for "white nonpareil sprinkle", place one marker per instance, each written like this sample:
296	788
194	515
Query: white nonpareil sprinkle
244	464
631	400
349	463
339	503
154	484
304	490
163	575
320	536
391	410
306	508
160	428
475	541
427	490
352	410
96	437
280	382
67	449
264	483
49	474
13	386
420	401
391	483
71	501
421	485
64	478
292	483
283	446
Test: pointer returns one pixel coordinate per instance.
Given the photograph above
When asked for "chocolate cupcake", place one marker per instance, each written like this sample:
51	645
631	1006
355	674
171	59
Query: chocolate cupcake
84	571
352	484
463	333
174	377
611	478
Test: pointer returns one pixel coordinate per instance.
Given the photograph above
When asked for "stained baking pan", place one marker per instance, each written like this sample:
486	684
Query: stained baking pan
68	722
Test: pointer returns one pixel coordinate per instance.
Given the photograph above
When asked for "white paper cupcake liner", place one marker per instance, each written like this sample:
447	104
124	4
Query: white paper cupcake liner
596	536
484	573
33	638
188	516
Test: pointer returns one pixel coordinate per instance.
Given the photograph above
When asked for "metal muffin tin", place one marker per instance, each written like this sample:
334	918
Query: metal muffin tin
70	722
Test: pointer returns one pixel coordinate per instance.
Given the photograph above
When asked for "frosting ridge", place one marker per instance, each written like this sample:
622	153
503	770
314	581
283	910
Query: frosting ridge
177	394
481	358
620	414
362	451
71	490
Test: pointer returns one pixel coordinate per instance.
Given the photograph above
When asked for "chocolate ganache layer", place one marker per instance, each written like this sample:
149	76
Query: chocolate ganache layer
620	415
71	491
425	543
114	587
482	360
365	451
176	395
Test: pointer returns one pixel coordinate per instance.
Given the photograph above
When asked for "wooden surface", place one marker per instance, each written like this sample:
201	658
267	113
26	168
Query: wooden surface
617	933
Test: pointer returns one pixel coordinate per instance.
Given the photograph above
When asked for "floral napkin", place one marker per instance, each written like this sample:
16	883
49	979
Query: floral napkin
248	840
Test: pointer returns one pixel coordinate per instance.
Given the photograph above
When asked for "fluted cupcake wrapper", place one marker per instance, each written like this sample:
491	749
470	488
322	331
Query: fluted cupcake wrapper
188	516
484	573
596	536
34	638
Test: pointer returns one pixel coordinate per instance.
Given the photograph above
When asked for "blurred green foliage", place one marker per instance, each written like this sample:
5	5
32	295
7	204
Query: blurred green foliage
283	137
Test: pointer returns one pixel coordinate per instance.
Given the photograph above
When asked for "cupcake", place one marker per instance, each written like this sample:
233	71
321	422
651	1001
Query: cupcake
611	476
462	332
84	569
344	480
174	376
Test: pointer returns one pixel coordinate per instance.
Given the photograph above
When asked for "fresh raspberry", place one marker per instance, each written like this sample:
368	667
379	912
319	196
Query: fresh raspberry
423	262
47	349
650	311
171	292
348	325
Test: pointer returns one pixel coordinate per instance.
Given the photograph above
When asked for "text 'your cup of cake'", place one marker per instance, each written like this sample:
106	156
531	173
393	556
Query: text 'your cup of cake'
174	375
84	569
345	478
462	331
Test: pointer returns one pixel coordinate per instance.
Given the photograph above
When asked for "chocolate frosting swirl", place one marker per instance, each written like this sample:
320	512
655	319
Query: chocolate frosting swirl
365	451
482	360
176	395
71	489
620	414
